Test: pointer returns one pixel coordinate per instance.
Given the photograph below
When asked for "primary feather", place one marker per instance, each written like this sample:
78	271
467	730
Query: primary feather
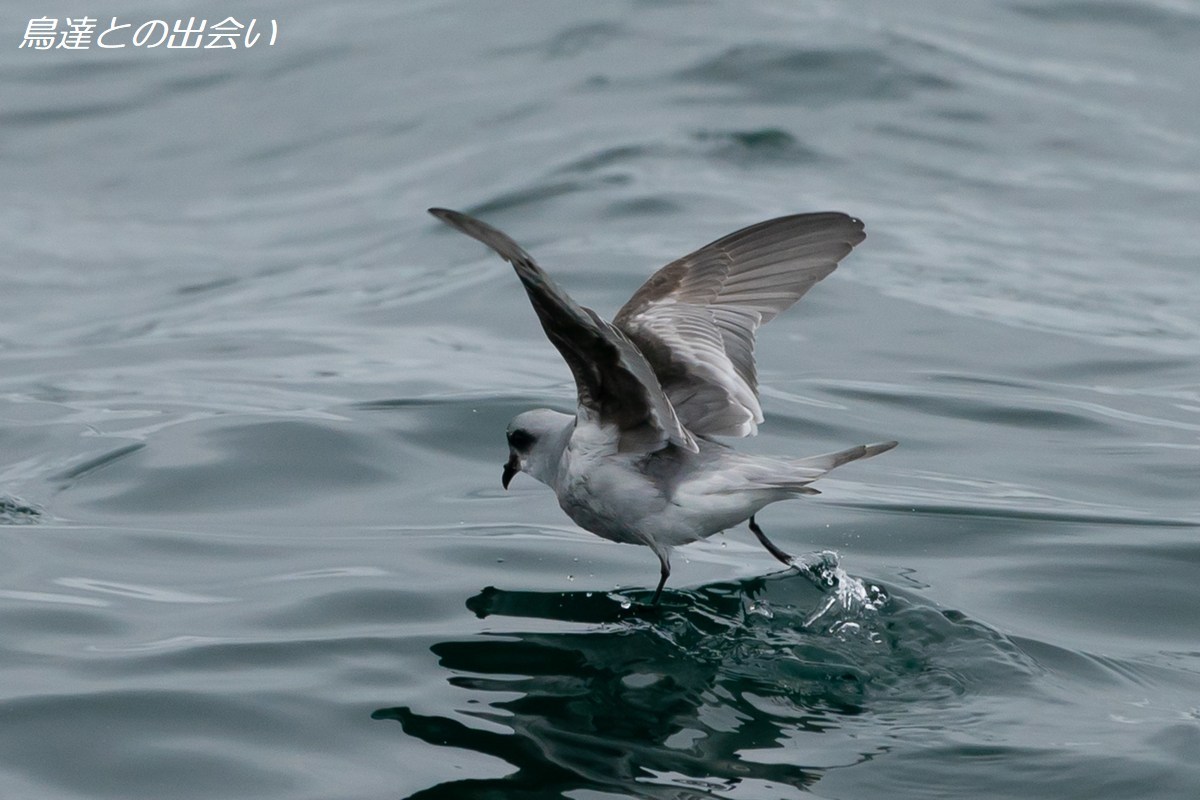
614	381
696	318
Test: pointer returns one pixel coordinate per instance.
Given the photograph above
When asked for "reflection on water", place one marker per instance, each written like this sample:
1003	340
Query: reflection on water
701	694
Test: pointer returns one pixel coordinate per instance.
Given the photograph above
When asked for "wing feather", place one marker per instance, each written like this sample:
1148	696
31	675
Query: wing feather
615	383
696	318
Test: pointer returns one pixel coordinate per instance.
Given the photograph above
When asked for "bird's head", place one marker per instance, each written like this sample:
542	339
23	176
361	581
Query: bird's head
535	444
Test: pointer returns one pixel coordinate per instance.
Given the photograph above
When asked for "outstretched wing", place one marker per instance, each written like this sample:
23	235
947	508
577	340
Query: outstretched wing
695	319
615	383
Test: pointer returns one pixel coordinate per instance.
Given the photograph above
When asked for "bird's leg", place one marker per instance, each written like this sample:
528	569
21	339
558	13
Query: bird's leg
663	559
767	543
820	572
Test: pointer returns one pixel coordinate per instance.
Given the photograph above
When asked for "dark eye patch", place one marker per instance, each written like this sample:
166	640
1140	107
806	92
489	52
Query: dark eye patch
521	440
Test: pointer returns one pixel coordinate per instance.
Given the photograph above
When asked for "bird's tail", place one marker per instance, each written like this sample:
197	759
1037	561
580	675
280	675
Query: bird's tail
802	471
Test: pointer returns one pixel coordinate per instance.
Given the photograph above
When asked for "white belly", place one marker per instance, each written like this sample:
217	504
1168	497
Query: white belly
617	503
610	501
606	492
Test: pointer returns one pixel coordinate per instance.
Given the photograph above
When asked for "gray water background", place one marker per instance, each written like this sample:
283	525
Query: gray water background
252	398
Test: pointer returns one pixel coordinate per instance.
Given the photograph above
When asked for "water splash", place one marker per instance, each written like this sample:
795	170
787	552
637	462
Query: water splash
845	596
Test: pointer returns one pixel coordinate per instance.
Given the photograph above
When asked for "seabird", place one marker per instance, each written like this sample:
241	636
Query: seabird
637	461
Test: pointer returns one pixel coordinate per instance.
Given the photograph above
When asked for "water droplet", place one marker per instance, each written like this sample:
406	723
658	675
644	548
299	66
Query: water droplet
846	627
570	577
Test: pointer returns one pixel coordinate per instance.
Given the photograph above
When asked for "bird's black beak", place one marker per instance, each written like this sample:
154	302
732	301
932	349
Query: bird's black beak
510	469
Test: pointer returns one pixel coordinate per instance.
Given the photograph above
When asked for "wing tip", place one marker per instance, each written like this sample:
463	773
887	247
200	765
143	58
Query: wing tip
858	228
480	231
455	219
877	448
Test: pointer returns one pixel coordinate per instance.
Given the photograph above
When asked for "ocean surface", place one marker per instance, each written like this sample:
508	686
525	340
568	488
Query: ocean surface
253	542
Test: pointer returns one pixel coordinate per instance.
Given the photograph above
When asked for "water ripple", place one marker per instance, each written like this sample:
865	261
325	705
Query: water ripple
14	511
152	594
772	73
677	696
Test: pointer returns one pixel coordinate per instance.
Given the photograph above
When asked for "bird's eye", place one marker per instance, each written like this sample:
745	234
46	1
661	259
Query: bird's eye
521	440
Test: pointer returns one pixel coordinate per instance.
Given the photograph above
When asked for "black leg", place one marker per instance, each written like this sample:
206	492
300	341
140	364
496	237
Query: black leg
767	543
662	581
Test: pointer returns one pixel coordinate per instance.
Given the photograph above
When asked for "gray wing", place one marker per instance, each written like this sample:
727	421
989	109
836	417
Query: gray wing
615	383
696	318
